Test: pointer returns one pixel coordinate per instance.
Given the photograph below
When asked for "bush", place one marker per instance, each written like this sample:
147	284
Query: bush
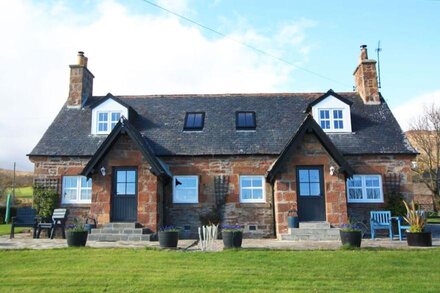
13	212
45	201
394	203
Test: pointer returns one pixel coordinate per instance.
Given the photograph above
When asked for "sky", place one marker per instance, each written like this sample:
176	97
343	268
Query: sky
242	46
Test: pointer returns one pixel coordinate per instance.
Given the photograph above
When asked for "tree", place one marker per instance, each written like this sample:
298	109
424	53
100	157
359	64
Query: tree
425	136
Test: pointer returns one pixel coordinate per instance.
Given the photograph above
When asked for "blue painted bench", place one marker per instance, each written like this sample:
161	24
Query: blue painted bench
380	220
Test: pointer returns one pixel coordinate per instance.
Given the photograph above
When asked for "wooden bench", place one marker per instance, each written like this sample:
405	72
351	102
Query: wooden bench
25	217
380	220
59	219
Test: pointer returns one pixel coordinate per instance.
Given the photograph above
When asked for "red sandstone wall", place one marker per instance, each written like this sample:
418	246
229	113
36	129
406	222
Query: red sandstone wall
310	153
245	214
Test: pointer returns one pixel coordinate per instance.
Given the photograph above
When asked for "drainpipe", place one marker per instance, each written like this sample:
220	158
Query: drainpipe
273	210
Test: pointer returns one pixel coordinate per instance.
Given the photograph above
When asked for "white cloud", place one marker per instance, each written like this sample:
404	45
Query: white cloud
128	54
408	111
177	6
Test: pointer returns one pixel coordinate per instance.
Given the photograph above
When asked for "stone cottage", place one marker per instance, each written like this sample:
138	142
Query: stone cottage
159	160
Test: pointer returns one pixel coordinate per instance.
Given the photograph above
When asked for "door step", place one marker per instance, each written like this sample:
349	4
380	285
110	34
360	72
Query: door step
120	232
312	231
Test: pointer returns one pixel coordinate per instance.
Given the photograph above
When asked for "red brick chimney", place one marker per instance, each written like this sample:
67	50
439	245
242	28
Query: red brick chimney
81	83
365	77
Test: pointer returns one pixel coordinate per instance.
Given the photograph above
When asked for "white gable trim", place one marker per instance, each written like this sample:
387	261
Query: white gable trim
333	103
109	106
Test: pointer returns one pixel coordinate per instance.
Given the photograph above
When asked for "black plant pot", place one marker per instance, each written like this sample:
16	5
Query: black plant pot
76	238
353	238
293	222
232	239
168	239
419	239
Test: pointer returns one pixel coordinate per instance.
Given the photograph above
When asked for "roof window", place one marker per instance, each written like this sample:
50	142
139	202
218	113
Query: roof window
194	121
245	120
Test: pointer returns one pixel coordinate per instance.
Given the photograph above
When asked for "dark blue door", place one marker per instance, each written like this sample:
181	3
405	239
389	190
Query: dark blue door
311	199
124	197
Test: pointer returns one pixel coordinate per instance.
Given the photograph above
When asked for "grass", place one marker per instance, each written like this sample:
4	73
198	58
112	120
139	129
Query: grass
434	220
147	270
5	229
22	192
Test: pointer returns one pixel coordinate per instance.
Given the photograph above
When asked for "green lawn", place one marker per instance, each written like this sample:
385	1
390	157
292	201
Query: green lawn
135	270
22	192
435	220
5	229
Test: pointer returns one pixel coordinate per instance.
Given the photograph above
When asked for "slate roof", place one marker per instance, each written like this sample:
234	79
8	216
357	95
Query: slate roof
160	119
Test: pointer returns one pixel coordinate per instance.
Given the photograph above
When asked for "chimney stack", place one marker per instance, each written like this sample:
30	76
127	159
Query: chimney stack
365	77
81	82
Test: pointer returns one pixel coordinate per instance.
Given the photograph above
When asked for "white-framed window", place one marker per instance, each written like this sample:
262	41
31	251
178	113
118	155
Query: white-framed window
76	189
252	189
106	121
365	188
185	189
331	119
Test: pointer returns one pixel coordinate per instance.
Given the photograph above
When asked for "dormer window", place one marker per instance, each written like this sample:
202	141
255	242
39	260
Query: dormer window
107	121
331	119
245	121
194	121
106	114
332	112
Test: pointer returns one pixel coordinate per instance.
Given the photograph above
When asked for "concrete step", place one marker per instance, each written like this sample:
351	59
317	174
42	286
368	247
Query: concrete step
315	234
121	225
136	231
119	237
314	225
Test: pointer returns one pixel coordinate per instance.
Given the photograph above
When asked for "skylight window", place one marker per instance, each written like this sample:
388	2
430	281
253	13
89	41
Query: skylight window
245	120
194	121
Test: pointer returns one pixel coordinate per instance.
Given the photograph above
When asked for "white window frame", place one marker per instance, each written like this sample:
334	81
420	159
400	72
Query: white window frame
78	189
332	119
263	187
364	198
332	103
197	189
109	121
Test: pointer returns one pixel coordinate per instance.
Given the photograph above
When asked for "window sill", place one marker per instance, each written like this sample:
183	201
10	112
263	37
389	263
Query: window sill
76	204
178	205
364	201
253	205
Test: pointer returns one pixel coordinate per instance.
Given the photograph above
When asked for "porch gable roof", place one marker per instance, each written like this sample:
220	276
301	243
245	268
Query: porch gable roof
309	125
158	167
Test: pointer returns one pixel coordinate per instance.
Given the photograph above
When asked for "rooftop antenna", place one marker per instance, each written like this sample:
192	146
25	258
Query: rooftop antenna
378	50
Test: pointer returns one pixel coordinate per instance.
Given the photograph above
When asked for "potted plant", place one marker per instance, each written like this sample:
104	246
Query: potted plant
416	235
351	234
169	236
232	236
76	234
292	219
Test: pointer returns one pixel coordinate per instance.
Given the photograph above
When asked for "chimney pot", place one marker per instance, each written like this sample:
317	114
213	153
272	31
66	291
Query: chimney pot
82	60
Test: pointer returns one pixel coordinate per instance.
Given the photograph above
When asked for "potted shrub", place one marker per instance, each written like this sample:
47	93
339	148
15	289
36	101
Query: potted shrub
169	236
76	234
416	235
351	235
292	219
232	236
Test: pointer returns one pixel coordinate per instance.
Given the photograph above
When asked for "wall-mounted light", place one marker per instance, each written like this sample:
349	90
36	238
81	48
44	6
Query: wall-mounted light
102	171
414	165
332	170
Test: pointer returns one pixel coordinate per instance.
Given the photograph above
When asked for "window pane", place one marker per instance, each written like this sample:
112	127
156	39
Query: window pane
131	176
315	189
115	117
314	175
186	195
373	193
304	189
185	182
190	120
249	119
246	183
86	194
102	117
337	114
372	181
303	176
70	194
198	120
246	120
257	194
356	181
70	182
120	188
257	182
121	176
355	193
131	188
246	194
